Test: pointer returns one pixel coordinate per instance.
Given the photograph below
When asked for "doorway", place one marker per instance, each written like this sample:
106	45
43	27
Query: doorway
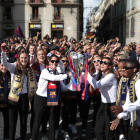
57	33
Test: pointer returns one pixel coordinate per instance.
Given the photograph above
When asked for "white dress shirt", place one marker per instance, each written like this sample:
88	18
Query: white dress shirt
130	107
11	68
107	86
43	82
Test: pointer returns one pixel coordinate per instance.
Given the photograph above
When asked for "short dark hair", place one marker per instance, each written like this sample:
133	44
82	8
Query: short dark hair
54	56
44	45
32	45
45	37
134	63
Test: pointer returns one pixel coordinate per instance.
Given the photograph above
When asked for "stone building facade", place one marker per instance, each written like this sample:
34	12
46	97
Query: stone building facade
53	17
118	18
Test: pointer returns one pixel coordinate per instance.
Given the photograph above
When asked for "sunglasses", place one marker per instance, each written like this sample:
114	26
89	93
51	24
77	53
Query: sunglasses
105	62
54	61
96	61
127	68
65	61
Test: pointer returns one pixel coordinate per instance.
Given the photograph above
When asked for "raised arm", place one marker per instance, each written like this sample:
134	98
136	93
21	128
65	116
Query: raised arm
51	77
9	66
106	81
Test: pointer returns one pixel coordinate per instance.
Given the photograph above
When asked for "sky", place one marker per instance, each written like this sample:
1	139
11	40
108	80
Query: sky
92	4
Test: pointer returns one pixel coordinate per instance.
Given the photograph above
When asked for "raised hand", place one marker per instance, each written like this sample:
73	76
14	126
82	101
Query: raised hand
3	47
38	33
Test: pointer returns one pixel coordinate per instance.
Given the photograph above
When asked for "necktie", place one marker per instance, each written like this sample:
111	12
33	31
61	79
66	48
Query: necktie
138	58
31	60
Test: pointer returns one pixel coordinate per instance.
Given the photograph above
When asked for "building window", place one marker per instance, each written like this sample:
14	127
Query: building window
133	3
118	7
115	12
122	7
57	12
132	27
128	5
127	28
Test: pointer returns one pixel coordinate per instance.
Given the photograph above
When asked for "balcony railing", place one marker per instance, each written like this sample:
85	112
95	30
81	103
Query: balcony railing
36	2
7	2
57	18
35	17
7	17
56	2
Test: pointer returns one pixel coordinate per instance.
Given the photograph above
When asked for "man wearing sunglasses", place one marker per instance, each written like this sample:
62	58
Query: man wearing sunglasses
132	103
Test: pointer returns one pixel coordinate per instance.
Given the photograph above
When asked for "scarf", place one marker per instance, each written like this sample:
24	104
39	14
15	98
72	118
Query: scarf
132	97
17	85
122	91
53	90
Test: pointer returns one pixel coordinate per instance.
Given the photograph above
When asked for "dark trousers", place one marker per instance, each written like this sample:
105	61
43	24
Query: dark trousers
96	106
85	111
22	107
40	107
124	127
44	119
134	135
6	122
103	119
58	109
69	110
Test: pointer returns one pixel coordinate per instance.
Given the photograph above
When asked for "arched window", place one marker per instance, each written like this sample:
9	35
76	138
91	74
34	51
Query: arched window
132	27
128	5
127	28
133	3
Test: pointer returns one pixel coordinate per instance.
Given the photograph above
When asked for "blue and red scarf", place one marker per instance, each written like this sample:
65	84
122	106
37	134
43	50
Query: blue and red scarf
53	90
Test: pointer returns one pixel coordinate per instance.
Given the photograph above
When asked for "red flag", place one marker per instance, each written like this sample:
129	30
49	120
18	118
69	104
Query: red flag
85	80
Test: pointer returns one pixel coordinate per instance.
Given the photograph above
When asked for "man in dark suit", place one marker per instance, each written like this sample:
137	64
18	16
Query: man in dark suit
32	51
9	56
135	55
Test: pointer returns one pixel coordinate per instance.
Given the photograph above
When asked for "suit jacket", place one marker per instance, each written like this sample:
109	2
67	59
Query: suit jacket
11	58
30	59
133	55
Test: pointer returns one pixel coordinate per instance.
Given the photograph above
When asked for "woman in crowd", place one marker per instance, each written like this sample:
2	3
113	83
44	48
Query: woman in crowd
22	86
5	85
107	84
47	96
69	105
40	63
97	95
85	105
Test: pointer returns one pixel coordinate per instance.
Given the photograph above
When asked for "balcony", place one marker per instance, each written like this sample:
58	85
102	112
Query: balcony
36	2
65	2
7	2
57	18
35	17
7	17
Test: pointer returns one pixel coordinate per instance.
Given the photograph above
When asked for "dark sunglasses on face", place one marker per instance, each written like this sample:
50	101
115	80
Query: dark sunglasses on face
96	61
127	68
54	61
105	62
65	61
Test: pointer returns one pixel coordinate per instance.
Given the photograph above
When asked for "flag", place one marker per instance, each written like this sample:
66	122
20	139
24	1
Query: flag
18	32
90	35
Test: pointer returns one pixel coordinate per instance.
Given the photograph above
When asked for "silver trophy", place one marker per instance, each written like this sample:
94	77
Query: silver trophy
76	60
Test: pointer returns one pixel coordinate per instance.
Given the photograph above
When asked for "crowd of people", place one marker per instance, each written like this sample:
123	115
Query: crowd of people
34	78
